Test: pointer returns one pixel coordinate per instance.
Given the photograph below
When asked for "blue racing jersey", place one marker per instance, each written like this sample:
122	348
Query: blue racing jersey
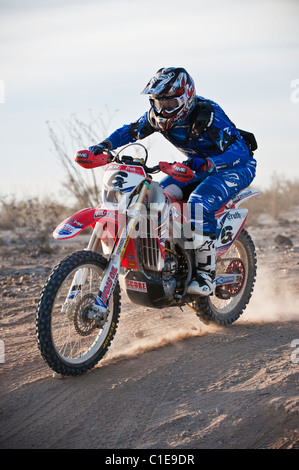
207	132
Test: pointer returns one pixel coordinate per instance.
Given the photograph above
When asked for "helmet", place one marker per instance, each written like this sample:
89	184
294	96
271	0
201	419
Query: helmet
172	96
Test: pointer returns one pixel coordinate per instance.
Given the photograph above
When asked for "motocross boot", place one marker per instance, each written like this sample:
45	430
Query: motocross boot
205	258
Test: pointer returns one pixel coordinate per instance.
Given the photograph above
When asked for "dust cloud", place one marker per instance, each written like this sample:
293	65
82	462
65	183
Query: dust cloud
274	298
138	346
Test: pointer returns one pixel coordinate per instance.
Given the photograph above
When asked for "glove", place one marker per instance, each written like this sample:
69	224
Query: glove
97	149
194	163
208	165
200	164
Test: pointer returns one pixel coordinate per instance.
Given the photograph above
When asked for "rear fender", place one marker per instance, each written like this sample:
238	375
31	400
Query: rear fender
236	201
245	194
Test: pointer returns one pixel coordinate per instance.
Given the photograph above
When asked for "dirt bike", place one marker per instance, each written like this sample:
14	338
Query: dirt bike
138	239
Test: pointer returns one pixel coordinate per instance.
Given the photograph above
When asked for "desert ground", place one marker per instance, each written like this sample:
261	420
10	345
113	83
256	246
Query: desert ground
168	381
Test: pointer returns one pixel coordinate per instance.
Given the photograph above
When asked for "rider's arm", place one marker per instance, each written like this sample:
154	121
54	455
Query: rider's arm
231	148
237	154
228	149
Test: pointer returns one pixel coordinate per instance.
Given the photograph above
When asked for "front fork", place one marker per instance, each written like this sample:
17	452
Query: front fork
123	237
99	310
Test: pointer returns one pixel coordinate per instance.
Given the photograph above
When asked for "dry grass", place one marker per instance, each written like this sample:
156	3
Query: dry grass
282	195
32	221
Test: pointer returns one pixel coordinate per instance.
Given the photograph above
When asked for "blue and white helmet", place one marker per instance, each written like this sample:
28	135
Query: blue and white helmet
172	96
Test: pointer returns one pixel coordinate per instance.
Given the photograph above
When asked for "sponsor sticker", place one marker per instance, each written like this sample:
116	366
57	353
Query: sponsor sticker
66	230
136	285
110	281
99	214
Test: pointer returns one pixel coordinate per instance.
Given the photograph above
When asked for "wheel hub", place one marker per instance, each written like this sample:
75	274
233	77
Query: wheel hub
83	324
236	267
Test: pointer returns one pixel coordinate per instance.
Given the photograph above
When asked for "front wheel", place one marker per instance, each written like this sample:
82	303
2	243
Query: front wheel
230	301
70	341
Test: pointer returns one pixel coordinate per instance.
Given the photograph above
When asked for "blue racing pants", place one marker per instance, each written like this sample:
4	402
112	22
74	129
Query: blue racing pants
211	192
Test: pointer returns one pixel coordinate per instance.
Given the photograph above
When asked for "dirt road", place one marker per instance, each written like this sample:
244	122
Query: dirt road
168	381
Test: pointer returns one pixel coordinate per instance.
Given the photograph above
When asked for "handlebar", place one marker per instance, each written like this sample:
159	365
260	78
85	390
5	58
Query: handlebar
154	169
178	171
116	158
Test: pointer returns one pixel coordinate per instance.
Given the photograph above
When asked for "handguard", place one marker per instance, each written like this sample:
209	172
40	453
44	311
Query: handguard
178	171
87	159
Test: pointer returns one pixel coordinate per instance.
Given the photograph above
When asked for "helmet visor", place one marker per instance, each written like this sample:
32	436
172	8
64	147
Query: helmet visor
167	106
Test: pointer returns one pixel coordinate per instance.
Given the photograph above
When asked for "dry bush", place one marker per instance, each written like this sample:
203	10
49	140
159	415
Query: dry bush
282	195
31	221
67	137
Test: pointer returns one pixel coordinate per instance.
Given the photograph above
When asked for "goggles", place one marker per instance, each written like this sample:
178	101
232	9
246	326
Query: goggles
168	106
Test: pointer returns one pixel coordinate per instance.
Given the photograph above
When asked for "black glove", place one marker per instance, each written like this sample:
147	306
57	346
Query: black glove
97	149
188	162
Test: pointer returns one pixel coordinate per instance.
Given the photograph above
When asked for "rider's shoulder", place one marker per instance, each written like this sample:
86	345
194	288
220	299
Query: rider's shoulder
205	103
208	107
201	117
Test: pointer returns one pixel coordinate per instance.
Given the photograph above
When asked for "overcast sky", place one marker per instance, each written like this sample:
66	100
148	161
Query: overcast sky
59	57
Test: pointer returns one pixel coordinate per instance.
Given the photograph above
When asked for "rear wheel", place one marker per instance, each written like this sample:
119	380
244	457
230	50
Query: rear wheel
230	301
70	340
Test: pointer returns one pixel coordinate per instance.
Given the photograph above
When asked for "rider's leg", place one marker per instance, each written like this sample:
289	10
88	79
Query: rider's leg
210	195
205	261
178	190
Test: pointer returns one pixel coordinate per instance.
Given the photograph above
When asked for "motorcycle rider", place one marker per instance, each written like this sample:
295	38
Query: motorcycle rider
220	157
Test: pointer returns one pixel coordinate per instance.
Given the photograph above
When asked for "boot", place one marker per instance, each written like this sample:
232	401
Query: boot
205	258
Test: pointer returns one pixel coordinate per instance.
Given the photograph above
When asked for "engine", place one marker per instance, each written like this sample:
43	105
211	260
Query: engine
169	275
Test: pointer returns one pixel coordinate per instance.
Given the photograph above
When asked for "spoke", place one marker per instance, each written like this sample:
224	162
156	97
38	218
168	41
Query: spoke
236	251
74	335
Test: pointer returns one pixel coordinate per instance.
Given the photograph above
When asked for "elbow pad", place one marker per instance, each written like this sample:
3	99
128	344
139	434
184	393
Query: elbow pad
140	130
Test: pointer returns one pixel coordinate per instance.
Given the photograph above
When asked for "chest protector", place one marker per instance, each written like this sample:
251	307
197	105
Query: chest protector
200	121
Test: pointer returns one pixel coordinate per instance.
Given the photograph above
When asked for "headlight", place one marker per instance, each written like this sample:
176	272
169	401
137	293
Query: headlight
112	196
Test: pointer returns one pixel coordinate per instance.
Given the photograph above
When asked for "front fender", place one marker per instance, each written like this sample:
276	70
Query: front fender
74	224
79	221
108	219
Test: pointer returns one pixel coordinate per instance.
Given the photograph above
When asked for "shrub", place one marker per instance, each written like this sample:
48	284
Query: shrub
282	195
31	220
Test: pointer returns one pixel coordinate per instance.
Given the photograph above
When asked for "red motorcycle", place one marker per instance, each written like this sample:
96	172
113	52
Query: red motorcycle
140	237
